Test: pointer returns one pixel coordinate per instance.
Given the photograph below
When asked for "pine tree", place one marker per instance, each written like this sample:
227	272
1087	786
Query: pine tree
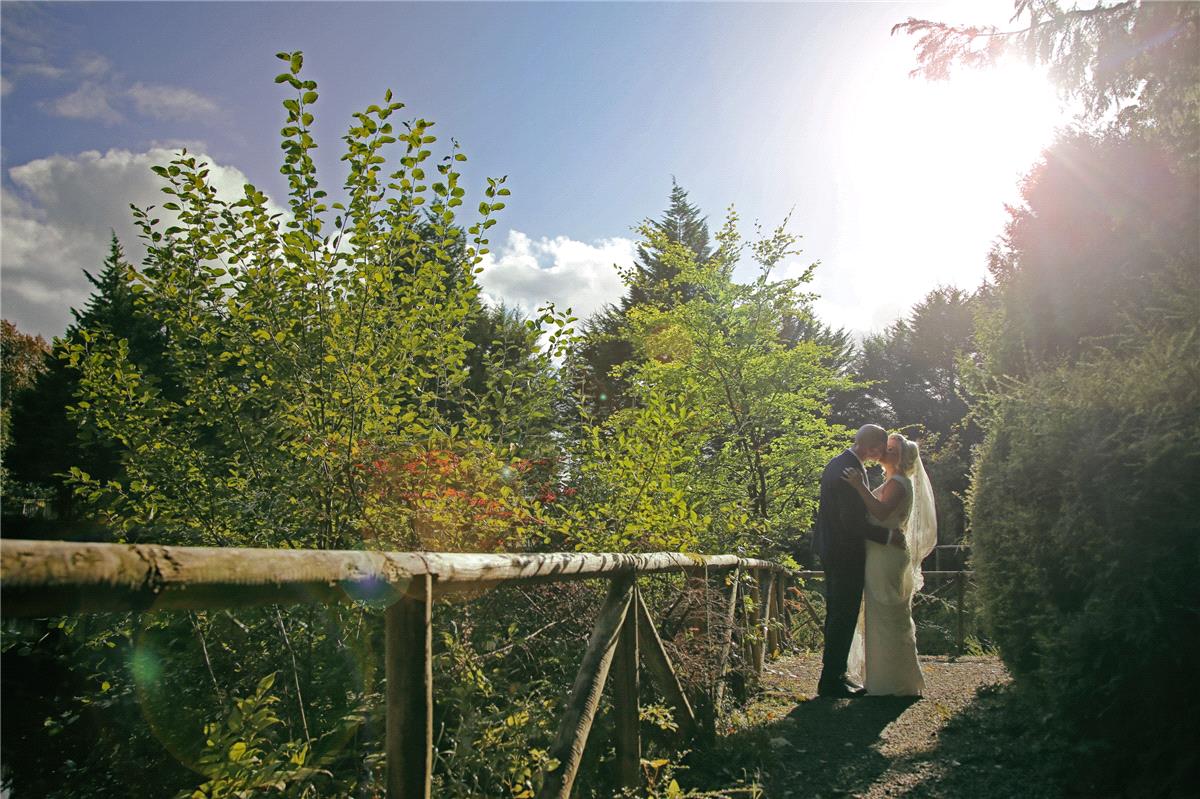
46	443
652	281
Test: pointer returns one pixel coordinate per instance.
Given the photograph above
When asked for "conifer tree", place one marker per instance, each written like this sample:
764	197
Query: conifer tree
653	281
46	443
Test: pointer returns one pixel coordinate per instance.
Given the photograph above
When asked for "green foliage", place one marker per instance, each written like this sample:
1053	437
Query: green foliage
914	364
46	443
22	360
1106	229
1085	529
251	384
242	760
726	431
288	351
653	279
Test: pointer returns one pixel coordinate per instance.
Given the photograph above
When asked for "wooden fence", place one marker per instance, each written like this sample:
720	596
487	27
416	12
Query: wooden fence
48	578
957	579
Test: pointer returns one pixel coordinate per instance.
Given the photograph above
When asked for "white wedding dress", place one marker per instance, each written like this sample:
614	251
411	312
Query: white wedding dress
883	655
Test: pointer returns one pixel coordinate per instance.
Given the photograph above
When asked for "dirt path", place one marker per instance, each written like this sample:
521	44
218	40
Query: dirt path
953	742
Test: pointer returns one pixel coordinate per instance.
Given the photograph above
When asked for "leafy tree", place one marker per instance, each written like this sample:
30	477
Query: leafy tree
1081	500
727	431
1084	511
22	360
913	365
655	278
296	352
292	354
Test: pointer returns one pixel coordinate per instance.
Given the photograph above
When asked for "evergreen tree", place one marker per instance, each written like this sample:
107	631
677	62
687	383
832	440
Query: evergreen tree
653	281
46	443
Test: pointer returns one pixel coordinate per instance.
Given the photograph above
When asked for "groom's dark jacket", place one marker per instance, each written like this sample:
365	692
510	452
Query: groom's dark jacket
842	527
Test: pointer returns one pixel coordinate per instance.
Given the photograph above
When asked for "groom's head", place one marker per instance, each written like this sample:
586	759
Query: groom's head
870	442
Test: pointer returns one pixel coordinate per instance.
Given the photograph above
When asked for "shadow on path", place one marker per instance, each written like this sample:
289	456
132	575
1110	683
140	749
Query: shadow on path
822	747
965	738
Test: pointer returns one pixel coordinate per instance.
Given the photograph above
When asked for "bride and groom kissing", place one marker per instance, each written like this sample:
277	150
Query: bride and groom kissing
871	545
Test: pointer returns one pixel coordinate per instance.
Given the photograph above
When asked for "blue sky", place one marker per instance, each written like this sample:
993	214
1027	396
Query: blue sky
897	185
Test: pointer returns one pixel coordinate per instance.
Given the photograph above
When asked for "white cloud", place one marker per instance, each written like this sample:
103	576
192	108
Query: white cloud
59	220
527	273
6	86
42	70
170	102
89	101
93	64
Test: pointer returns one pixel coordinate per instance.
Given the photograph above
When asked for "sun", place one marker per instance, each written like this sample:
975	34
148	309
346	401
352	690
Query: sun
1009	112
924	171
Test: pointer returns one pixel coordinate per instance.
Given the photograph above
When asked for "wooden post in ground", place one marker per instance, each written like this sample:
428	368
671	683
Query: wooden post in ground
625	693
784	611
581	707
766	592
774	614
727	637
654	655
962	592
409	672
754	624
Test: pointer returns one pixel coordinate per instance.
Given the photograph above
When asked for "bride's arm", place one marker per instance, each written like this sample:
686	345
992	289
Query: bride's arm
890	494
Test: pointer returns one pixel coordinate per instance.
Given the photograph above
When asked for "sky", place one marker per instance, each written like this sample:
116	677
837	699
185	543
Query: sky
896	184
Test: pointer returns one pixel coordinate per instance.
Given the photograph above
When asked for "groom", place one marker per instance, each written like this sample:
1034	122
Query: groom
840	535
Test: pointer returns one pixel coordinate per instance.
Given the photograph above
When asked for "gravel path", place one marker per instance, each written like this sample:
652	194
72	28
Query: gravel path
955	741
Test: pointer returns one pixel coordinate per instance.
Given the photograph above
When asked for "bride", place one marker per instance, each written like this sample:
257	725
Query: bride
885	643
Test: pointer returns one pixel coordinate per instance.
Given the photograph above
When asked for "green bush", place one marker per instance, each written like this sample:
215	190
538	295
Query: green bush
1086	529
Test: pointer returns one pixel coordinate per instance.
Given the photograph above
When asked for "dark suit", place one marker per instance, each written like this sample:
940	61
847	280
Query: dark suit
840	536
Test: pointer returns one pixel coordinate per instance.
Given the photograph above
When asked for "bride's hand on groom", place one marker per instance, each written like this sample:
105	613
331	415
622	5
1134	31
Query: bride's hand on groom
854	478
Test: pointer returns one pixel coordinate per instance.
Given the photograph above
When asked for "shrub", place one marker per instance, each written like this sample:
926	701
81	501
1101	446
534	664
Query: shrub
1085	521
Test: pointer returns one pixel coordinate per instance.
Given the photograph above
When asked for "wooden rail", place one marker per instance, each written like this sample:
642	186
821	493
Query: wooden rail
47	578
960	578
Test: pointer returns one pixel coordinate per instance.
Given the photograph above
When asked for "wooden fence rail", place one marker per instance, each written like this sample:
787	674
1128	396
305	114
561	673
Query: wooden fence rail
959	578
48	578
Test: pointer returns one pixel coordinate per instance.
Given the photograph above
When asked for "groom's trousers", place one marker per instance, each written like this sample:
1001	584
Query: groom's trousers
844	576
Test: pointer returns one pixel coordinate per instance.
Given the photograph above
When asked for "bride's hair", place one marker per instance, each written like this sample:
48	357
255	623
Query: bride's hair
908	454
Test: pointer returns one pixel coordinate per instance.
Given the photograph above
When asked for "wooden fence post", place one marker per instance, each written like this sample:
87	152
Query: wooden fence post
654	655
625	695
962	591
581	707
762	619
754	646
785	607
409	673
727	638
774	611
